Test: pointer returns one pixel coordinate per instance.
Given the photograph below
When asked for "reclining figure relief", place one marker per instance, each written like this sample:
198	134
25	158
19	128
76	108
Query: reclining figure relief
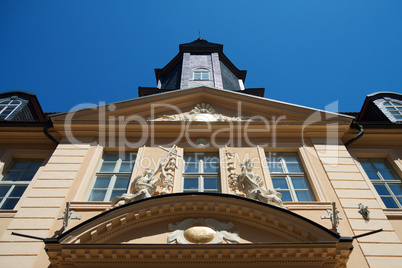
253	186
142	187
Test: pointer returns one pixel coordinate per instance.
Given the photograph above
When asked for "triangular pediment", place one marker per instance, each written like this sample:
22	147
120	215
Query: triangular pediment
217	105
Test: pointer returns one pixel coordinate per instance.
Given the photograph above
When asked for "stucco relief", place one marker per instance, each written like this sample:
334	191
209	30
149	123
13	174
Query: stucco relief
253	186
232	176
144	185
204	113
202	231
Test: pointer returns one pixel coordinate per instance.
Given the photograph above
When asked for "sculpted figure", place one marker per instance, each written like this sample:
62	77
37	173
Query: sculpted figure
253	186
142	187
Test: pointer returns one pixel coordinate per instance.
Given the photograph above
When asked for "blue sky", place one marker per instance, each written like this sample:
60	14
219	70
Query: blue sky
309	53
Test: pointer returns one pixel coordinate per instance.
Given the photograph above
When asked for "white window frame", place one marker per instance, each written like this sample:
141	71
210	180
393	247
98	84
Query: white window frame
6	104
112	175
381	180
395	104
201	175
288	176
14	183
202	72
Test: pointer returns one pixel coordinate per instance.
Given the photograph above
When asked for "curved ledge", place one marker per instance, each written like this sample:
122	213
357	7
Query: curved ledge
293	227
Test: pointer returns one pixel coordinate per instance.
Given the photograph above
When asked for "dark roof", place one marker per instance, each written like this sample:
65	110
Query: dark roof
373	114
29	111
201	45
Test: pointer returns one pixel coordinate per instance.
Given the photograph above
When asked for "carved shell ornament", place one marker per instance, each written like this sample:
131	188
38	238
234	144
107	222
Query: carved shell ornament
204	112
202	231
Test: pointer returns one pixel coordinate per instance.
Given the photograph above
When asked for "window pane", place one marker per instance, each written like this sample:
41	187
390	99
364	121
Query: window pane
299	183
211	167
381	189
389	202
279	183
294	168
191	168
107	167
273	157
4	190
211	157
28	175
126	167
111	156
379	164
367	165
35	165
102	182
10	203
304	196
396	188
18	191
286	196
121	183
211	183
190	184
190	157
290	158
197	75
372	174
205	76
275	167
19	165
116	193
97	195
400	200
387	175
13	176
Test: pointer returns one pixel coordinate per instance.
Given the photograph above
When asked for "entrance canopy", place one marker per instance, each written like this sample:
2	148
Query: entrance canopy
199	229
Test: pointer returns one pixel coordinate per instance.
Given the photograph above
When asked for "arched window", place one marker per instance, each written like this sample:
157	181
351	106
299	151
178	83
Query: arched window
394	108
8	107
201	74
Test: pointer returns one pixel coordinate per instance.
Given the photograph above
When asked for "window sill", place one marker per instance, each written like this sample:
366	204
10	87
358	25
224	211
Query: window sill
7	213
393	213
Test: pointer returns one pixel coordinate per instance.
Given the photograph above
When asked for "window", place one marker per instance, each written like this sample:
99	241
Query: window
385	180
288	177
8	107
113	176
201	172
16	180
201	74
394	108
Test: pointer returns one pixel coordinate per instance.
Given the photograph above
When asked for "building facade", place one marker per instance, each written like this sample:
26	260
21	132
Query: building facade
200	171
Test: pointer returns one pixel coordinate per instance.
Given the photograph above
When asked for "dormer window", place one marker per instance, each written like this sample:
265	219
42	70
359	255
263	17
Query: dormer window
201	74
8	107
394	108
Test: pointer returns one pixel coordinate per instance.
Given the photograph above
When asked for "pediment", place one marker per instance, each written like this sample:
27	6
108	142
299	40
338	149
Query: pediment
216	105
